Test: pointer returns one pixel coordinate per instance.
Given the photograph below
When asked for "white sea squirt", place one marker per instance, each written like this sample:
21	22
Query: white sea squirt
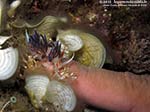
36	86
72	41
9	59
40	90
61	95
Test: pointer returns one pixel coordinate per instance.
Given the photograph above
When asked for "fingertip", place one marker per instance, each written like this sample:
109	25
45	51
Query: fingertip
48	66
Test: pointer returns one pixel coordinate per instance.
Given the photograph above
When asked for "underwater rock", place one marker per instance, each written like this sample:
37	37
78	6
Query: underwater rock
14	101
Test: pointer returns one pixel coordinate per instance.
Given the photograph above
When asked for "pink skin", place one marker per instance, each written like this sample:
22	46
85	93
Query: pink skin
117	91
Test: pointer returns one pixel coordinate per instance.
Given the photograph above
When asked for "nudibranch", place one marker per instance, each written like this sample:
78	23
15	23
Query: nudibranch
55	52
41	48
